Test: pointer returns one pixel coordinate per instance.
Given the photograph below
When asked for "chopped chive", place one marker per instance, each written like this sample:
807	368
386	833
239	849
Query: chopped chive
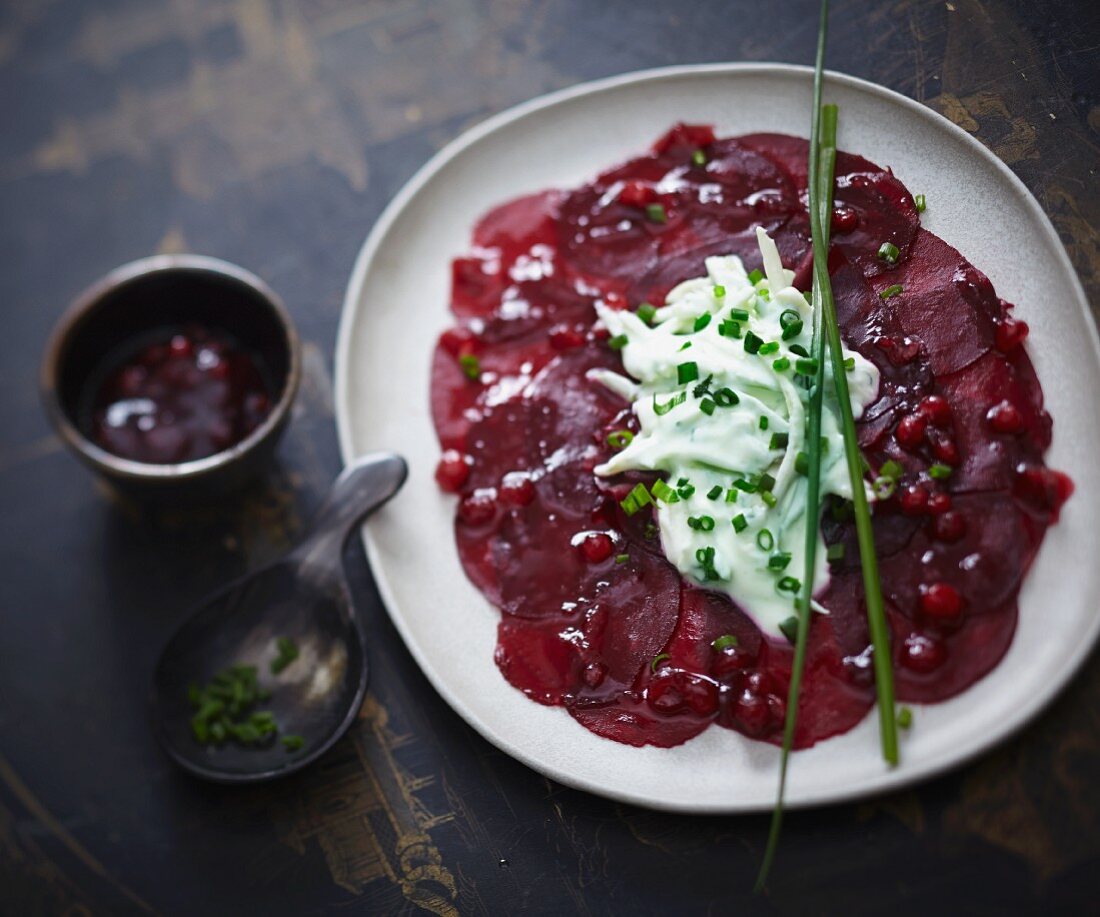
731	495
706	406
921	202
799	350
779	561
657	660
719	291
850	364
729	329
891	469
806	366
656	213
661	491
288	652
620	439
685	490
622	558
702	321
725	398
892	290
740	523
802	464
701	523
687	372
835	553
769	348
618	342
646	312
789	629
292	742
715	492
940	472
888	252
755	276
788	584
905	718
763	422
766	482
769	498
791	323
779	441
753	343
741	315
724	642
699	158
781	365
471	366
765	541
884	487
662	409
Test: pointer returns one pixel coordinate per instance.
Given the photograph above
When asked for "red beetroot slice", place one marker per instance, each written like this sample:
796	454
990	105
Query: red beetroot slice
580	628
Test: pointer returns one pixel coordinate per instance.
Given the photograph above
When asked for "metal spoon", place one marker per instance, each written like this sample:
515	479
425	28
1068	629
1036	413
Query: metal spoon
303	597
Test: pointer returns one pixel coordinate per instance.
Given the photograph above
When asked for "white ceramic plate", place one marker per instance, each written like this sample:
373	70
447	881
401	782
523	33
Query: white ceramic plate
397	303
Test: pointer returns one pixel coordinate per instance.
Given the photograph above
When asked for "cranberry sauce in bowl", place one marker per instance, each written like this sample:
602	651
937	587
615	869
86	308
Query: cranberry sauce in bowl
173	373
183	396
594	616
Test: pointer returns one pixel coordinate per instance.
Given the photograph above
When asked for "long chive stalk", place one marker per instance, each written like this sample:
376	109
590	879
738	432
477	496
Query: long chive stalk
822	133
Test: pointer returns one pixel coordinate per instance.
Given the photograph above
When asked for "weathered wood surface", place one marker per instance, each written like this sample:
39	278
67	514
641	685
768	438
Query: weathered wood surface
272	134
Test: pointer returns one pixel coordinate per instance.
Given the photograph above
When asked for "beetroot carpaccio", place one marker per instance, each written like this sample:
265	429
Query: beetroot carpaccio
594	618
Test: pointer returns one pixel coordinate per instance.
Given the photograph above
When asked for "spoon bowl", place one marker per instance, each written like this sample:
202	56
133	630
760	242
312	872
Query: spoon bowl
303	598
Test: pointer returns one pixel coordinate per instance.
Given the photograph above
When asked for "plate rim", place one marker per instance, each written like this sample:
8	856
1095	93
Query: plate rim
889	780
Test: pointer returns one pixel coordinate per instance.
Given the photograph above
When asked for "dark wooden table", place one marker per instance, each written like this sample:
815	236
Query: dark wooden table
272	134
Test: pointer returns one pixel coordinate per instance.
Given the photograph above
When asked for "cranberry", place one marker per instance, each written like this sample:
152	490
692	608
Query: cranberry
936	409
944	447
565	337
663	695
594	674
939	503
596	547
914	500
845	219
922	654
1010	334
940	601
752	713
457	341
180	347
478	508
452	471
1043	488
517	488
637	194
701	694
730	661
910	432
949	526
1005	418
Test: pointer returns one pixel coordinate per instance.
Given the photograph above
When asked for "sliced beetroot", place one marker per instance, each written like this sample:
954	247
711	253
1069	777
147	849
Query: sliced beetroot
594	617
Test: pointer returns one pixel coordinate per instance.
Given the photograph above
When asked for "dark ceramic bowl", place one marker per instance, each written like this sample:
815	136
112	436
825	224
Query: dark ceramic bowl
157	294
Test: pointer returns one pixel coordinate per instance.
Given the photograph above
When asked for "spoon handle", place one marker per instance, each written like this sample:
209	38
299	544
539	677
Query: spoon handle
360	489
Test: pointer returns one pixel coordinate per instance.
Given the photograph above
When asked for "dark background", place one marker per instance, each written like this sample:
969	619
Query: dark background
272	134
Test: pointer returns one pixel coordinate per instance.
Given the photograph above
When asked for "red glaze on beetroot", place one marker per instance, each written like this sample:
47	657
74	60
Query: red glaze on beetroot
594	618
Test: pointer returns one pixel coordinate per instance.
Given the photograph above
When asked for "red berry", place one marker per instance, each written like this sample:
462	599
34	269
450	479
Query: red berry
565	337
180	346
478	508
637	194
845	219
940	601
939	503
517	488
701	694
943	447
751	712
730	661
949	526
452	471
663	695
910	432
1005	418
596	547
914	500
594	674
457	341
936	409
922	654
1010	334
